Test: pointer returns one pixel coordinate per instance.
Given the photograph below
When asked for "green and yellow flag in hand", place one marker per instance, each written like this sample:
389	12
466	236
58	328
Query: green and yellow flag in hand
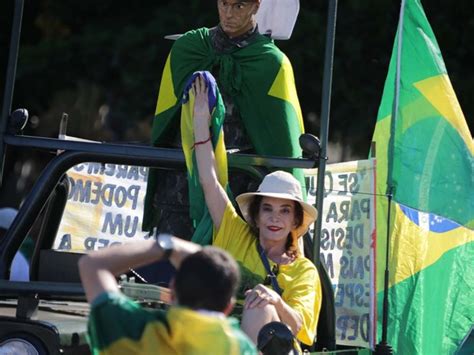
198	209
424	154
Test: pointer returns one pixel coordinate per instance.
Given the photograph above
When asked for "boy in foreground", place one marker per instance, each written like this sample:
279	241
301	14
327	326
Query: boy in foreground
204	293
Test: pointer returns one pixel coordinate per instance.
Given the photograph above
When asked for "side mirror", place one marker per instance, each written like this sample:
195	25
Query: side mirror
18	120
311	146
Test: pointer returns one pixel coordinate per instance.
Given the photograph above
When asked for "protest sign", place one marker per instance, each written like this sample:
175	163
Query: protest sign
104	207
348	246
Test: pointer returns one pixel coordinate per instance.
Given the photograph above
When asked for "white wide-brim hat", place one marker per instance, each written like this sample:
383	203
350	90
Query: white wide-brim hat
280	184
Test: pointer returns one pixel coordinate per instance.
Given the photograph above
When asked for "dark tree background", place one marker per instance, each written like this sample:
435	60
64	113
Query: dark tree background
101	62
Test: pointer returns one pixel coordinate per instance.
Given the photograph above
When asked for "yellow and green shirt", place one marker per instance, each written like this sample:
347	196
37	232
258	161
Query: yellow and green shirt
299	280
118	325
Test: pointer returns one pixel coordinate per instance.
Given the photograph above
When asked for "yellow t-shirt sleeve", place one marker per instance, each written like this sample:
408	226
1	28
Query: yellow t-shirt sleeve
302	292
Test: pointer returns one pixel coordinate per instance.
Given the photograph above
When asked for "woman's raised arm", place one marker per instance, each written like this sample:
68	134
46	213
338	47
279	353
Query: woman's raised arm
214	193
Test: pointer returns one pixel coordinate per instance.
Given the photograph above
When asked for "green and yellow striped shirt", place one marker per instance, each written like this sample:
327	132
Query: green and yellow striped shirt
118	325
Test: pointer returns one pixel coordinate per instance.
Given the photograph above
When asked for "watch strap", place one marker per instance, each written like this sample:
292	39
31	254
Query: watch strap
166	253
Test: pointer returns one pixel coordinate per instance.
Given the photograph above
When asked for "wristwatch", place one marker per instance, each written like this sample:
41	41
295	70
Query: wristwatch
165	241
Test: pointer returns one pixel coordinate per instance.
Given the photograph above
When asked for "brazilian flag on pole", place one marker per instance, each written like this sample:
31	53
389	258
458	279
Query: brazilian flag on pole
424	153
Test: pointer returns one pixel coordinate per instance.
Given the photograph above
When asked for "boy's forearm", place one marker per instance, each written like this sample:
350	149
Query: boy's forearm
99	268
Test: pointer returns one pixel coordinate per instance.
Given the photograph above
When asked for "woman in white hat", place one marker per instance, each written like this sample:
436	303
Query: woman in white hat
266	244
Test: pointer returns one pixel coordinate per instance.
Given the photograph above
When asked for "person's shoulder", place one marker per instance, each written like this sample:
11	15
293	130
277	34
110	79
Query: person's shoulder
192	41
233	231
231	218
266	48
208	322
112	302
230	211
304	264
114	305
194	34
302	260
266	41
300	272
108	297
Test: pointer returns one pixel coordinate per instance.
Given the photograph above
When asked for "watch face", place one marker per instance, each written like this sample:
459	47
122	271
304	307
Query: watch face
165	241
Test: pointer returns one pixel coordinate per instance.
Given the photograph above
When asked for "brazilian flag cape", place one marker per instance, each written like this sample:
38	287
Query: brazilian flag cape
259	77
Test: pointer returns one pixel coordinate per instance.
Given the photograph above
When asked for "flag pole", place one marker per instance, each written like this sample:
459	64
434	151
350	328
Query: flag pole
325	116
383	347
327	333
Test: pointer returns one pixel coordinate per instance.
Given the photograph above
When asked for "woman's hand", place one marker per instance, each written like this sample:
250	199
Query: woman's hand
201	113
260	296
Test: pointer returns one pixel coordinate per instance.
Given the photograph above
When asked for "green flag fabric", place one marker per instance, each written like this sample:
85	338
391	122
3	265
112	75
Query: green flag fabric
258	76
430	169
198	210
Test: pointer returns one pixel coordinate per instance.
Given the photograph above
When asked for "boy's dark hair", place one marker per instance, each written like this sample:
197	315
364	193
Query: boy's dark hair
207	279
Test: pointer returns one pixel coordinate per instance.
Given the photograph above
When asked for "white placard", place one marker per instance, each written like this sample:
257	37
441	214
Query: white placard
348	246
104	207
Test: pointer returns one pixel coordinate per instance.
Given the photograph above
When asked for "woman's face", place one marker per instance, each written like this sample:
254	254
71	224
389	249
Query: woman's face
276	219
